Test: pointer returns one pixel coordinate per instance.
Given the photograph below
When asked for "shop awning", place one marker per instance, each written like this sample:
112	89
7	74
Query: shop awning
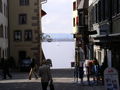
108	38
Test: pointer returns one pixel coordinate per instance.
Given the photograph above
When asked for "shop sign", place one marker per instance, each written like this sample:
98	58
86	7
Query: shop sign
111	79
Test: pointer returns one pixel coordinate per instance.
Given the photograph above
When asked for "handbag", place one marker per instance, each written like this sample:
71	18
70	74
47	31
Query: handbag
51	85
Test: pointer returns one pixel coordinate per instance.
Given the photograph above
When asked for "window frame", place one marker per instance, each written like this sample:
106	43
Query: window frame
1	31
23	2
27	36
19	37
74	6
22	17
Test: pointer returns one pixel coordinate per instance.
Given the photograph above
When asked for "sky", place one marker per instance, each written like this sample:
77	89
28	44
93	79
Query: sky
58	18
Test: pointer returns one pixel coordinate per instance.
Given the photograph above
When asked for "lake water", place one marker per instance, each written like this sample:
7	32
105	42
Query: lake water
62	53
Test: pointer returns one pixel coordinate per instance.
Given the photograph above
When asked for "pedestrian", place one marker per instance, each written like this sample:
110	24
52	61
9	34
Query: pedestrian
33	69
5	68
45	74
81	73
49	62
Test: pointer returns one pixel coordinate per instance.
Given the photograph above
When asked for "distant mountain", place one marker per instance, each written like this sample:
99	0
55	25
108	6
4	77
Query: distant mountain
57	37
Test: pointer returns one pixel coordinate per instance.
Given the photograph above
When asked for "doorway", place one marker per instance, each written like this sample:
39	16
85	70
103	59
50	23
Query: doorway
22	55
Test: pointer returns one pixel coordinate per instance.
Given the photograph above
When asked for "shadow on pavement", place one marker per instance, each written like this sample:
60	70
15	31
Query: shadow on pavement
37	86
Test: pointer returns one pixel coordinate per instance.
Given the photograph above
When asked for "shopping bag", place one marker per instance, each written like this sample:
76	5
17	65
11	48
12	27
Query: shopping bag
51	85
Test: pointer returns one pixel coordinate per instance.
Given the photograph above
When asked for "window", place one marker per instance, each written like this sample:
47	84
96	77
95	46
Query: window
6	52
74	22
107	9
74	6
5	32
17	35
22	19
0	52
119	5
78	2
96	11
81	19
1	6
4	9
28	35
114	7
24	2
86	19
77	20
99	11
103	9
1	30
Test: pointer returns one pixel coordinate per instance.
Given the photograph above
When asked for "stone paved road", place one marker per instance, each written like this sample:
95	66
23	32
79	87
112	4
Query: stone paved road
63	80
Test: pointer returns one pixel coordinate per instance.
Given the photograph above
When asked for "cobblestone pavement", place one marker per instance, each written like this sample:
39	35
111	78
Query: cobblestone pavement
63	80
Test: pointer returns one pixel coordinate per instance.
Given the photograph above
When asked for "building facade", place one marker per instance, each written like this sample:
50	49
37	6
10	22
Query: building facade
25	29
3	29
80	28
104	17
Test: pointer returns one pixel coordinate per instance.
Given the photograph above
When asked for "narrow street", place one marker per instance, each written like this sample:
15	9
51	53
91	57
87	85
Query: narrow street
63	80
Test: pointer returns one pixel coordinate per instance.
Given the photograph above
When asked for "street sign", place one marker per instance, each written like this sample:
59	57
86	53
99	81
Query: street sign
111	79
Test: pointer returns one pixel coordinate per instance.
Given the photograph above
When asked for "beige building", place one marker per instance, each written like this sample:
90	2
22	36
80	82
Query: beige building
75	16
3	29
25	29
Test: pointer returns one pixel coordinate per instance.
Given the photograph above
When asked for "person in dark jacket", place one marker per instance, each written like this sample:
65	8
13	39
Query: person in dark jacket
33	69
45	74
5	68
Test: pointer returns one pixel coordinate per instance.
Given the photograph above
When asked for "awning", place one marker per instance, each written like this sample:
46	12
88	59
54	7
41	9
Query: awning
83	4
108	38
111	36
43	13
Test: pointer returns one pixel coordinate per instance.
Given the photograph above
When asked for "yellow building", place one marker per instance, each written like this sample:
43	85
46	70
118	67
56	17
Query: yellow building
25	29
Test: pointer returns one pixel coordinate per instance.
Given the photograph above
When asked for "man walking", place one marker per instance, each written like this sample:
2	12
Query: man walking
33	69
45	74
5	68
